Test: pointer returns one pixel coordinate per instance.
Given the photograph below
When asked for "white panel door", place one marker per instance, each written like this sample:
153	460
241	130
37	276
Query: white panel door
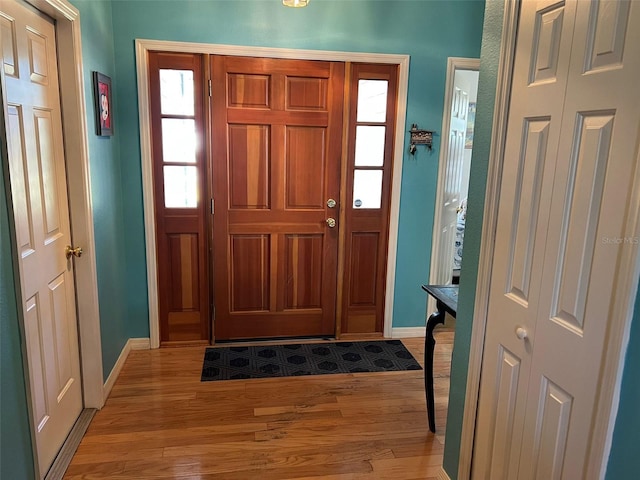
572	135
39	198
452	183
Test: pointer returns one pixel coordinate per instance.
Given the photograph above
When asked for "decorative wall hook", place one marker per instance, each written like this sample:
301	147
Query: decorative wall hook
419	137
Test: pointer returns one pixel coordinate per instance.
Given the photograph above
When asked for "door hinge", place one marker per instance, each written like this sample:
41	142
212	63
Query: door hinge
212	206
209	87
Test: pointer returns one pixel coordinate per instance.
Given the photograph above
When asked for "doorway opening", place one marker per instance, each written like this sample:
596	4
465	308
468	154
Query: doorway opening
453	177
394	141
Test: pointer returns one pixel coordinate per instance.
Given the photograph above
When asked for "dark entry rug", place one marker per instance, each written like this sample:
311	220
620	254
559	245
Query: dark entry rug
238	362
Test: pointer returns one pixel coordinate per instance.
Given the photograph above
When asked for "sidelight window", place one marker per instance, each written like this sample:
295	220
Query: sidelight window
370	142
179	138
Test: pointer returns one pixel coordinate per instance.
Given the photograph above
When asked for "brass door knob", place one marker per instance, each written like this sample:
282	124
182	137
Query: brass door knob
69	251
331	222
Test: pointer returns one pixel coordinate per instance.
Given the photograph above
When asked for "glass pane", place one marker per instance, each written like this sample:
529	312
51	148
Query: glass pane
369	146
372	100
180	187
176	92
179	140
367	188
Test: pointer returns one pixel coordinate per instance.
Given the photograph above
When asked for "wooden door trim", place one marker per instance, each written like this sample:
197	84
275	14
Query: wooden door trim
629	272
453	64
144	46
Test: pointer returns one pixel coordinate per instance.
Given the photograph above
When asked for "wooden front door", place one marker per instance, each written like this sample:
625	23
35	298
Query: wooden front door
276	149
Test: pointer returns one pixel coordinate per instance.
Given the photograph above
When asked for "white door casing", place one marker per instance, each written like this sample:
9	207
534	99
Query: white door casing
557	283
143	46
41	215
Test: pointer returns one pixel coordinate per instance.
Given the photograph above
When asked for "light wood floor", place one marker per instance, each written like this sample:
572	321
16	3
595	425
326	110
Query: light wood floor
161	422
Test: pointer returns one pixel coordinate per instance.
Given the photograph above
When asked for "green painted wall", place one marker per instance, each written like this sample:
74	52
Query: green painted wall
111	236
489	60
624	460
429	31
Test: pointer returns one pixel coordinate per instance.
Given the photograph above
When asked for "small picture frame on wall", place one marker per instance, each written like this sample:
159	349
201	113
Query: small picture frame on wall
102	93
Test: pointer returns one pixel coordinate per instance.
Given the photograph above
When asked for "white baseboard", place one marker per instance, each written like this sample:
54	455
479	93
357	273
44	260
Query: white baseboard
408	332
442	475
139	343
132	344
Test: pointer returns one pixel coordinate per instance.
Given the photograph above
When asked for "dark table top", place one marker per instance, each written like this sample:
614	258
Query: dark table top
447	294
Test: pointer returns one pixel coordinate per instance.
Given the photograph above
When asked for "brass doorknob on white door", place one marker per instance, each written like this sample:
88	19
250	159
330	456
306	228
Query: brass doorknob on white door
522	333
331	222
69	252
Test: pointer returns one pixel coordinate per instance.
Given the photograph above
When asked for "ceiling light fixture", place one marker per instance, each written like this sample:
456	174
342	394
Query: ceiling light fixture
295	3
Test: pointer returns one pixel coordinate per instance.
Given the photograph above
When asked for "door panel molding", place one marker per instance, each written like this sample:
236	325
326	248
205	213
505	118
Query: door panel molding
144	46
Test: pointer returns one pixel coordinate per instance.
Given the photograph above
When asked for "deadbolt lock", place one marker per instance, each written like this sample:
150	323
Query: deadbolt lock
331	203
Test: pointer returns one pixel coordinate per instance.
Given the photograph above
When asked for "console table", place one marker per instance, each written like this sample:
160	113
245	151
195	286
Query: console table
447	302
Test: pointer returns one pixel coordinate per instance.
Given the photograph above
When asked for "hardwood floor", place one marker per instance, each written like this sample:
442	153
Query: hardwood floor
161	422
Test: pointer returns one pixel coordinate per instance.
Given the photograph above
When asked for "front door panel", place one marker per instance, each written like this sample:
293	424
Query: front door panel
276	161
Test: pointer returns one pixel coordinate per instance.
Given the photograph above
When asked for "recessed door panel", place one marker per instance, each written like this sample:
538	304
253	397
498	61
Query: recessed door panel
307	93
9	47
505	396
608	20
551	431
249	165
249	91
250	272
548	32
582	209
304	263
525	213
306	162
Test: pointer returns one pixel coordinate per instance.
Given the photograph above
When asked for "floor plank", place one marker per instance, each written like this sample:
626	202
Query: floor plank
161	422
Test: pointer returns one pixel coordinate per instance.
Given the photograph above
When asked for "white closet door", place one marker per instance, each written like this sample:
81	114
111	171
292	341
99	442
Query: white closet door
572	136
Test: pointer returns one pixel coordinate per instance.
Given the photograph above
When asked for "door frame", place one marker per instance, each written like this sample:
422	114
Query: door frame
629	268
453	64
143	46
74	119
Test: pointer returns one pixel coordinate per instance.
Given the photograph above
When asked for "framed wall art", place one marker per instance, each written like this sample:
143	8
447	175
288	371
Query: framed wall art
102	93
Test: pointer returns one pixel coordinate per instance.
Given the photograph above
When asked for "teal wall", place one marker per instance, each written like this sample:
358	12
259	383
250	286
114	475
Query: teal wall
429	31
107	188
489	60
624	462
16	457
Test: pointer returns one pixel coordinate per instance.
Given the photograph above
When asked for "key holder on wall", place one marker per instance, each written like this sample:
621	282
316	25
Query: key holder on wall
419	137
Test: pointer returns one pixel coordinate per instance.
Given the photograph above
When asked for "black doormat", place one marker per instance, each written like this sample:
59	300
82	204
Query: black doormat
238	362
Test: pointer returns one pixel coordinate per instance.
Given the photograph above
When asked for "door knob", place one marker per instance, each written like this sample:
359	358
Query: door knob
331	222
331	203
69	251
521	333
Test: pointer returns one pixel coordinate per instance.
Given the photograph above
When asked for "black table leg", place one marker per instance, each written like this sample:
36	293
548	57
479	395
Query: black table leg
435	318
